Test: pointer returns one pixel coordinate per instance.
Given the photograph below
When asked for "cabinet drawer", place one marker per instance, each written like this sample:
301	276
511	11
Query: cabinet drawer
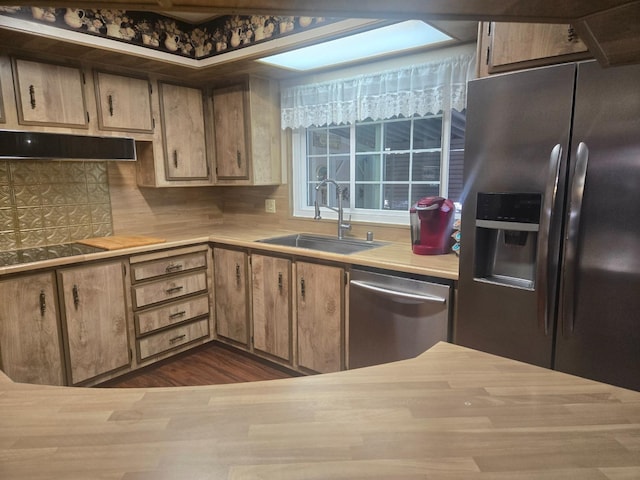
169	265
174	287
173	338
176	312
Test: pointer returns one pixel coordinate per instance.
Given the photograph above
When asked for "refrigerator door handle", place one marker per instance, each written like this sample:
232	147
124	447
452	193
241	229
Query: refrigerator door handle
544	239
574	212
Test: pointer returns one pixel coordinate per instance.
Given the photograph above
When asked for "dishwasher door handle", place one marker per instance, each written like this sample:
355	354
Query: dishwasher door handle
399	294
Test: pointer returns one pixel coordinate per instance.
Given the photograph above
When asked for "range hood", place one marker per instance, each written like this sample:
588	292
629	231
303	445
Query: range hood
58	146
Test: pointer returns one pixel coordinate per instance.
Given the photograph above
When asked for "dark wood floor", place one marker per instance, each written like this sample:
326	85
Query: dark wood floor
209	364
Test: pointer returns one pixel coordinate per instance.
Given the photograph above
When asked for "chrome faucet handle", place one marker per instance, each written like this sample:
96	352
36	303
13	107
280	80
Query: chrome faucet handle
347	225
317	213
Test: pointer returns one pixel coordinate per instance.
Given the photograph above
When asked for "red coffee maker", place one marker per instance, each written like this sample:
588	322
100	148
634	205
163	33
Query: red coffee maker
431	225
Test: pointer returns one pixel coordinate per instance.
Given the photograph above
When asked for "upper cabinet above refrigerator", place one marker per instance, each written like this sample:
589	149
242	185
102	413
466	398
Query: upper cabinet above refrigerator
505	46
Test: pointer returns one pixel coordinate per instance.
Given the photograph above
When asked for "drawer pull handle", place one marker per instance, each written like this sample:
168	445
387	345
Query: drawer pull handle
178	338
43	303
280	282
110	99
239	158
174	289
76	296
175	158
238	274
302	288
32	96
173	267
177	314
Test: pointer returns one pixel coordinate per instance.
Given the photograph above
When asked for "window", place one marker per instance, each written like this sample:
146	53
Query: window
383	166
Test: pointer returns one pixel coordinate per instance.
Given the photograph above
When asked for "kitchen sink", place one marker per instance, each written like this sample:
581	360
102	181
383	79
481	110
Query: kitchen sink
323	243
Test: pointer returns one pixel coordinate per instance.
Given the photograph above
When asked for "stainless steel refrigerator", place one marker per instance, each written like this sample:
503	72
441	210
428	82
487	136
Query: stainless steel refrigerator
550	246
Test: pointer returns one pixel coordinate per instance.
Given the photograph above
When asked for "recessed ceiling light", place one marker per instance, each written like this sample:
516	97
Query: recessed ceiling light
372	43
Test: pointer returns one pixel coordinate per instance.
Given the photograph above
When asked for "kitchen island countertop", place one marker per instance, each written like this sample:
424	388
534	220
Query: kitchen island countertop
451	413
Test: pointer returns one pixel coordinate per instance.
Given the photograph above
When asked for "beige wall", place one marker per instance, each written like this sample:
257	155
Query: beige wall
158	211
246	206
153	211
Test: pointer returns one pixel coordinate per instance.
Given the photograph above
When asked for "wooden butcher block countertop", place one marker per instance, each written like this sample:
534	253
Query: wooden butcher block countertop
451	413
118	242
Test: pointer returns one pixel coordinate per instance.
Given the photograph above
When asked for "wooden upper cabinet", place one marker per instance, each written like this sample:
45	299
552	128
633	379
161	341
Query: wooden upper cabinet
30	349
271	295
182	113
124	103
232	294
510	46
231	129
95	319
320	315
48	94
3	118
246	120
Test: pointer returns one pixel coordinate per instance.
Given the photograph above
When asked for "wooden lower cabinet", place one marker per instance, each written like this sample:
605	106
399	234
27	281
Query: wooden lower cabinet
169	288
320	317
231	290
271	305
164	340
170	297
29	330
94	319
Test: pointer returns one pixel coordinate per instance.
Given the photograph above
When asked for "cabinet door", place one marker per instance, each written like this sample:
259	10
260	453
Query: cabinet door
271	294
231	132
183	132
48	94
520	45
320	307
124	103
95	319
232	302
3	118
29	335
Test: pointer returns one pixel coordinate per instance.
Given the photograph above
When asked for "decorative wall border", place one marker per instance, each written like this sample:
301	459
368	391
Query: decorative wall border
166	34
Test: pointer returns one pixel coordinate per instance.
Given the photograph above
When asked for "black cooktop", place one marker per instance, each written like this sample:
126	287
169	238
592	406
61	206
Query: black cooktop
35	254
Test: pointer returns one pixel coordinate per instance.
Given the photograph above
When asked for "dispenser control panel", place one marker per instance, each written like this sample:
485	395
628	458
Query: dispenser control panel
509	207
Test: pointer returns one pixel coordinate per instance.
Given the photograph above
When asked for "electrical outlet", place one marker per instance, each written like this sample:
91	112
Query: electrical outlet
270	205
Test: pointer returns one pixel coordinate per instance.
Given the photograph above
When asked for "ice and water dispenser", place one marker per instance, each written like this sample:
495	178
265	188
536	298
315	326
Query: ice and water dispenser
507	226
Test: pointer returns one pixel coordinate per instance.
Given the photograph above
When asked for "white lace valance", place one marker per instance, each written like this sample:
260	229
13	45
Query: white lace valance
418	89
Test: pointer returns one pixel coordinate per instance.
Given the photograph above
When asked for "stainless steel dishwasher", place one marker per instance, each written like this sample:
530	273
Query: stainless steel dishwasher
394	318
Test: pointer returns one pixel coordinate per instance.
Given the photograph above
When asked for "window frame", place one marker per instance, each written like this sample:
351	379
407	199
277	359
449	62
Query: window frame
393	217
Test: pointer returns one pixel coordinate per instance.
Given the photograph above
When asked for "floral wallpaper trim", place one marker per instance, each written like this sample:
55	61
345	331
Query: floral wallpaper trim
151	30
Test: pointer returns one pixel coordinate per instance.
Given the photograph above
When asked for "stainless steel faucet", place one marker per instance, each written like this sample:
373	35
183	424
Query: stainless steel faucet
342	225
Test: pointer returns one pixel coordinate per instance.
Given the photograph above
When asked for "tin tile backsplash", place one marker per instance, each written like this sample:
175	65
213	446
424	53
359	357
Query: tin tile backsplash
48	202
